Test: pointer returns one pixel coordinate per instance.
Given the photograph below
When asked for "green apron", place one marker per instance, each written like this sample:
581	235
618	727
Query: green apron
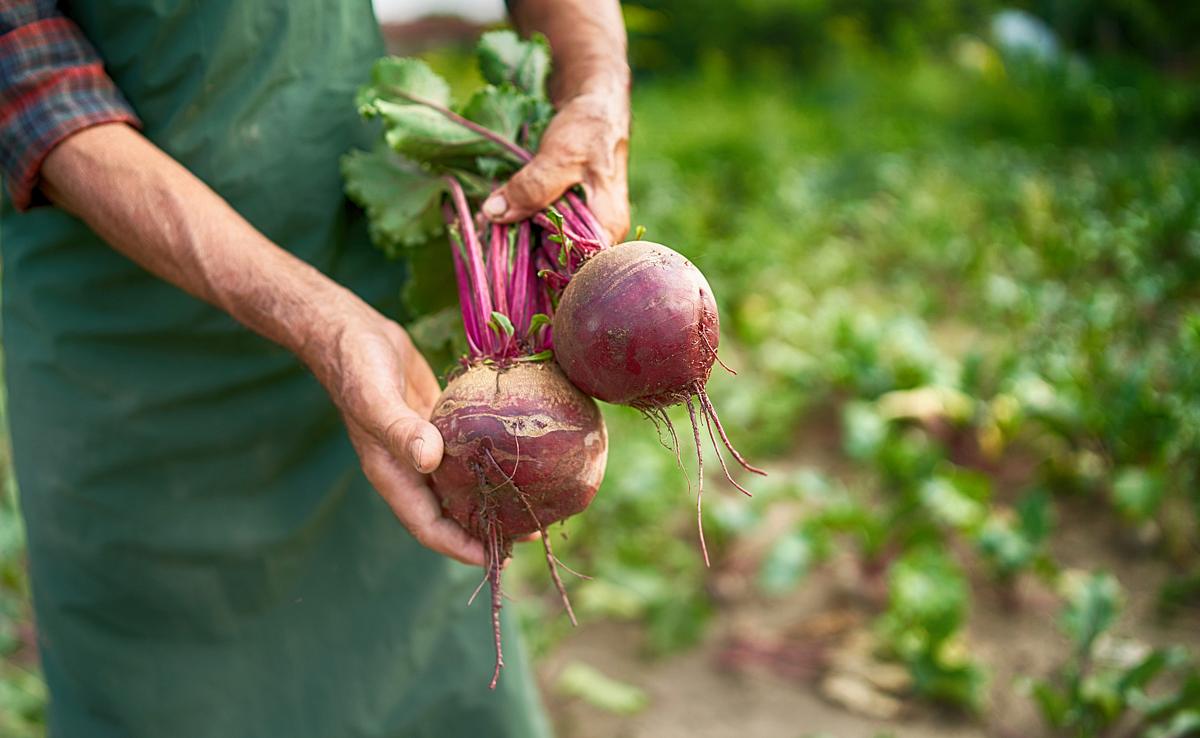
207	558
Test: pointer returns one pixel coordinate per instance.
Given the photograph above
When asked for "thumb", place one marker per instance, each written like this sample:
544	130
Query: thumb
414	440
542	181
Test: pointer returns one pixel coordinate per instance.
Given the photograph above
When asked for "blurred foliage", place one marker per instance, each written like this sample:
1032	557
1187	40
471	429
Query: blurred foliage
1107	684
585	682
22	693
1081	70
975	277
927	608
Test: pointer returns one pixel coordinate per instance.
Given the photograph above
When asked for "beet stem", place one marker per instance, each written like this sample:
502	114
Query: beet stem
518	294
474	262
471	125
585	213
464	287
571	233
712	411
699	481
498	264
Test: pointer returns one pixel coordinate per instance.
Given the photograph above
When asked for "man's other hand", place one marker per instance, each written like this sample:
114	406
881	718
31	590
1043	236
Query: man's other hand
586	143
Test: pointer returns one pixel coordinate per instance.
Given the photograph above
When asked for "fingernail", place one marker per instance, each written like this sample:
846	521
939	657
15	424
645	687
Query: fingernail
414	448
495	206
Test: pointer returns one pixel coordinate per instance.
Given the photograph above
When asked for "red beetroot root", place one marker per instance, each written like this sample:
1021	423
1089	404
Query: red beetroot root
637	325
524	449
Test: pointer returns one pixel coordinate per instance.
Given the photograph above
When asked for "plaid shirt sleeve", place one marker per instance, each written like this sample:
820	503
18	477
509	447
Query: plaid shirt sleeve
52	84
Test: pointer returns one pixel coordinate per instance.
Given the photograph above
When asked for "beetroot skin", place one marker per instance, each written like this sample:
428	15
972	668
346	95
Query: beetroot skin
524	449
637	325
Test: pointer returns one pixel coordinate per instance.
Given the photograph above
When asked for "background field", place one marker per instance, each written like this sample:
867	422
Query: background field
957	257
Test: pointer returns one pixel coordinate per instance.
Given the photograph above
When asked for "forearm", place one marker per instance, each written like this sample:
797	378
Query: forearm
587	38
152	210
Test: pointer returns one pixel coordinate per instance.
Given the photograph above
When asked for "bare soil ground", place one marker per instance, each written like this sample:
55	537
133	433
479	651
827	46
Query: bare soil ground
762	671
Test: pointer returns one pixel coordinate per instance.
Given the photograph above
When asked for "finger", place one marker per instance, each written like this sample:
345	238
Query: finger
415	440
534	536
608	199
380	408
447	537
531	190
417	508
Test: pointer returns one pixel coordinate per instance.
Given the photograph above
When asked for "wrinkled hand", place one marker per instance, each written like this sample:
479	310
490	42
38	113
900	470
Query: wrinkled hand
386	390
586	143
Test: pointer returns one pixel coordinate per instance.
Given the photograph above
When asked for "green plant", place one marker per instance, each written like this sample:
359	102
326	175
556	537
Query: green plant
1152	692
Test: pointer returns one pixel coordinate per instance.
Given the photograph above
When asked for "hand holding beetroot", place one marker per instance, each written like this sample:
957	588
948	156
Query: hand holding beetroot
586	144
635	324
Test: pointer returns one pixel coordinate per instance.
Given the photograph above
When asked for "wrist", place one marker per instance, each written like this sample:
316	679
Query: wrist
334	317
604	77
604	113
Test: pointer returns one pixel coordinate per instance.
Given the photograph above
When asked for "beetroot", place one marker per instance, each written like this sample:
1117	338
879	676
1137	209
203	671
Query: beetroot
524	449
637	325
649	352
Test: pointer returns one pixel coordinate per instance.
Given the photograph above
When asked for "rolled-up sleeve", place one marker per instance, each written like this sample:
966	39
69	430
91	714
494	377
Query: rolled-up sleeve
52	84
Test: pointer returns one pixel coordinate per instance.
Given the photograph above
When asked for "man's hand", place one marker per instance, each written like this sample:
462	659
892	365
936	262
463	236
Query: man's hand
587	141
386	390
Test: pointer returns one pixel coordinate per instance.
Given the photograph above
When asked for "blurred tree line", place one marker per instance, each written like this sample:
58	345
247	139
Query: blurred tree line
670	34
1096	71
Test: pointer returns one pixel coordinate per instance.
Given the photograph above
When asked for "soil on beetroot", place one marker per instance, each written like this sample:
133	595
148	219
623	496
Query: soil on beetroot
762	670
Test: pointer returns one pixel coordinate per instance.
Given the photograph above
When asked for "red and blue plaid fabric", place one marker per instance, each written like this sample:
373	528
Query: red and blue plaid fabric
52	84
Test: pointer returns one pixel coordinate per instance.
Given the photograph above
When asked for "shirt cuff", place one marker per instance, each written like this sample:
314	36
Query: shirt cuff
54	86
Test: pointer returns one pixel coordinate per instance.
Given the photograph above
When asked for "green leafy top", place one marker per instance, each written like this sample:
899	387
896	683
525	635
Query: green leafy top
422	123
401	200
504	59
402	182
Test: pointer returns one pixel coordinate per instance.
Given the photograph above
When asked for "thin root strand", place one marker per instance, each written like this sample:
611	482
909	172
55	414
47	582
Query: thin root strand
676	448
584	577
716	356
551	560
721	458
552	564
707	406
494	561
478	589
699	481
